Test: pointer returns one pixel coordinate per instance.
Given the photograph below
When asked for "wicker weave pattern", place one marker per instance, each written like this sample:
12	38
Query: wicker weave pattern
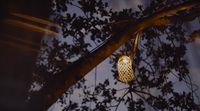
125	71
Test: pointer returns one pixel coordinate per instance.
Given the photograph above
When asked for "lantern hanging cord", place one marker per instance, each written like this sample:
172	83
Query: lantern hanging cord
95	77
135	45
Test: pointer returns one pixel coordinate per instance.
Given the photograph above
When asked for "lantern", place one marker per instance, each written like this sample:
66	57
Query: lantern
125	71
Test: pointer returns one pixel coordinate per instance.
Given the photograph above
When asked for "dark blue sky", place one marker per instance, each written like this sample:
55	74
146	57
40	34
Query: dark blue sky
103	69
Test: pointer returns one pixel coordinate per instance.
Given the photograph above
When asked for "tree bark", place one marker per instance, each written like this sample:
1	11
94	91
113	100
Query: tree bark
59	84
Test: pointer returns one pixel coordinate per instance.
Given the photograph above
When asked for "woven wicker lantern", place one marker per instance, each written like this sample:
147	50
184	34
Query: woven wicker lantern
125	71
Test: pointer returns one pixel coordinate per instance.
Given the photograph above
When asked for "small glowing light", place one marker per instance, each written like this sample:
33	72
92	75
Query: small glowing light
125	71
125	60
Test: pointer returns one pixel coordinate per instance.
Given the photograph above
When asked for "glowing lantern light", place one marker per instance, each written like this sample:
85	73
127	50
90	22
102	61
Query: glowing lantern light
125	71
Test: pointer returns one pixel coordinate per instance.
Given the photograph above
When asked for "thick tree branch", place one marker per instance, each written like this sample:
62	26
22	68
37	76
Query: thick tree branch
54	88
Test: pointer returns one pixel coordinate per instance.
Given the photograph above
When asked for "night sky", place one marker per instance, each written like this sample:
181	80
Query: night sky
104	68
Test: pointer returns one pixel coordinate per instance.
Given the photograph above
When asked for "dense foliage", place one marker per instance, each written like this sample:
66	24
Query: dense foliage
86	24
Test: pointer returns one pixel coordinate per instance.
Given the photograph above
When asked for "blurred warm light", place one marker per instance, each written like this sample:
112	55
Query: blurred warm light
125	71
35	19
